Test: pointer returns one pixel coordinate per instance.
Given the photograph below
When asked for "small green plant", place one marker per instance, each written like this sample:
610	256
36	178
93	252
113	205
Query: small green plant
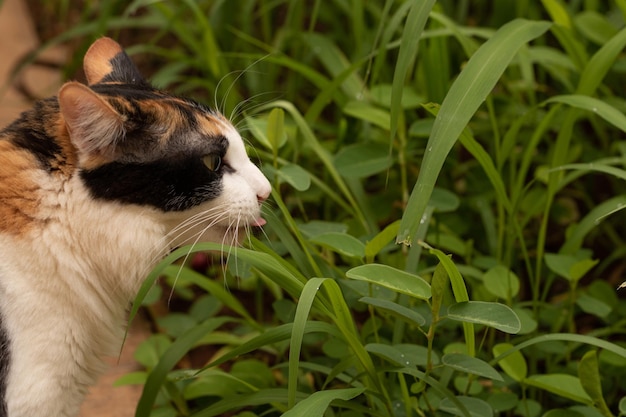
445	233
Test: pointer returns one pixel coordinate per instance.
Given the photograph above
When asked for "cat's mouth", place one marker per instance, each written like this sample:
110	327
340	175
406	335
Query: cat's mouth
258	222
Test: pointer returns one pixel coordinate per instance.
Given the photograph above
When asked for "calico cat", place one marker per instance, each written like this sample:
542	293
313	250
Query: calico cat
96	185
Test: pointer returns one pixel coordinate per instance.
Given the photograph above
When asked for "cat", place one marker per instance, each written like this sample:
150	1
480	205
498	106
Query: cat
96	185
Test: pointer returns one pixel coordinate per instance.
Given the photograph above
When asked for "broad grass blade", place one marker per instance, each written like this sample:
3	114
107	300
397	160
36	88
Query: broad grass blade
415	22
465	96
316	404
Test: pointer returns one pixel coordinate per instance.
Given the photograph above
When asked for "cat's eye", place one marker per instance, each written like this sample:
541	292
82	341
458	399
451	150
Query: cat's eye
212	161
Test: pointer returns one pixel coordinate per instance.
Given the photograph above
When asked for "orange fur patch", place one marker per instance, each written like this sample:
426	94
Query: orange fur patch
19	200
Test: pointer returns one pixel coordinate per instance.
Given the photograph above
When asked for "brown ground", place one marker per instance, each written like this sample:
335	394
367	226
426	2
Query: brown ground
17	37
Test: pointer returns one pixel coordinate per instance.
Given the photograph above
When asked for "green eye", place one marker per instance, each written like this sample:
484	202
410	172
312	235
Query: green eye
213	162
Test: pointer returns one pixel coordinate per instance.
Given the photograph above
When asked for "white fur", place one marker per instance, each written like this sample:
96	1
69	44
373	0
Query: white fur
65	285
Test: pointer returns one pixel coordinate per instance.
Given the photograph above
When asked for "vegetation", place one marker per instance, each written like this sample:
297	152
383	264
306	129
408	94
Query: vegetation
445	235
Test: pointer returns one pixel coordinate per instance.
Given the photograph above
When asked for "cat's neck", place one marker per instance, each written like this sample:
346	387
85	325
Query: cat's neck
64	302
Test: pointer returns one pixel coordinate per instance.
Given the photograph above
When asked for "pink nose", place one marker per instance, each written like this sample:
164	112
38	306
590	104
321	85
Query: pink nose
263	197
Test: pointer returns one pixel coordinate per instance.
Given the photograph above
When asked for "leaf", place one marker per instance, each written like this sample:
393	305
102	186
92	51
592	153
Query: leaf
398	311
381	94
592	305
475	406
460	293
318	227
380	241
501	282
493	315
466	94
392	278
341	243
401	355
594	105
514	365
276	135
412	30
565	385
438	285
303	308
368	113
317	403
589	376
471	365
362	160
296	176
170	358
570	267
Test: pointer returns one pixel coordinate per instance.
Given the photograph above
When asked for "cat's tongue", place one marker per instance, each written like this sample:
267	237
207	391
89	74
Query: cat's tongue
259	221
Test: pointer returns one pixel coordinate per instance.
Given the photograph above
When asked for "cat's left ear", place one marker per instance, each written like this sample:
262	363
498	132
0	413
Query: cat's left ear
106	62
93	124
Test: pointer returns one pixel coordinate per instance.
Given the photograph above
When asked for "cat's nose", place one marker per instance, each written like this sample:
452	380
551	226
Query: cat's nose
261	197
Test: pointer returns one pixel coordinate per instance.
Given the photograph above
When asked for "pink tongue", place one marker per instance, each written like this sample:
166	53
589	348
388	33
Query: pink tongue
260	221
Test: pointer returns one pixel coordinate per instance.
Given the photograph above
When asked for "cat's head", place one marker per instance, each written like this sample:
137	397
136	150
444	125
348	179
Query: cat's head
140	146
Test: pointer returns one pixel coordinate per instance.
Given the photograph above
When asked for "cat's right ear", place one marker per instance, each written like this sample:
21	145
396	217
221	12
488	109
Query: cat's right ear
93	124
106	62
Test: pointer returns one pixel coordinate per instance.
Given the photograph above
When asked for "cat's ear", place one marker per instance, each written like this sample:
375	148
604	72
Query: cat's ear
106	62
93	124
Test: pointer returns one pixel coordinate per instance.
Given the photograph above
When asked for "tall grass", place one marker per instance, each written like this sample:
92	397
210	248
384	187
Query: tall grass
486	138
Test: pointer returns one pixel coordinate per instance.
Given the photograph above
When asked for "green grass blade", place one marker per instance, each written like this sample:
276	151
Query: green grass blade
169	359
460	293
594	105
413	28
468	91
578	232
303	309
316	404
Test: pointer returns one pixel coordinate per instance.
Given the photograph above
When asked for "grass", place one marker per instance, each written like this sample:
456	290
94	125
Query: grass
445	234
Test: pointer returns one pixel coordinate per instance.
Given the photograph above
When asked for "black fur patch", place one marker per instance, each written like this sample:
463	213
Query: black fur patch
124	71
5	358
168	185
29	132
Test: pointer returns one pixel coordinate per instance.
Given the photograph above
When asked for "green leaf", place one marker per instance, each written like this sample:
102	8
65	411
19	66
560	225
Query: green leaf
594	105
237	402
303	309
466	94
411	32
318	227
341	243
589	375
362	160
592	305
570	267
392	278
316	404
398	311
402	355
381	94
475	406
471	365
460	293
493	315
438	285
368	113
514	365
501	282
170	358
380	241
296	176
276	135
565	385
